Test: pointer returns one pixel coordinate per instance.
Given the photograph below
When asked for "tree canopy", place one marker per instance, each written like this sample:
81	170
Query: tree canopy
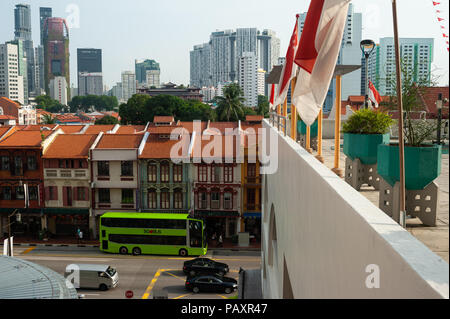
93	102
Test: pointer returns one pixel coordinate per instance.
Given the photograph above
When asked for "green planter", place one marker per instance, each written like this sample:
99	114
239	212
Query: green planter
301	128
364	146
422	165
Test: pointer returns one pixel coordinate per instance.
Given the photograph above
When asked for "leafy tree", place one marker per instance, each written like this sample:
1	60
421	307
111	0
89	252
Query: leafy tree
263	106
133	112
48	119
93	102
230	105
107	119
48	104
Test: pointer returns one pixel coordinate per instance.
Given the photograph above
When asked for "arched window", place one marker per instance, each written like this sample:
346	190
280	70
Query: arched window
165	172
165	199
152	170
152	199
178	199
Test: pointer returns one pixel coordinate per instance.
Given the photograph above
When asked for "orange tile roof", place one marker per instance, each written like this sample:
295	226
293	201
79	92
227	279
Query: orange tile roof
69	129
95	129
39	127
70	146
223	127
254	118
216	147
191	125
121	141
130	129
158	148
23	139
163	119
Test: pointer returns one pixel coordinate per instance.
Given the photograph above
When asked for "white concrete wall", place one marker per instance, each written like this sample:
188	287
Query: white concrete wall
327	234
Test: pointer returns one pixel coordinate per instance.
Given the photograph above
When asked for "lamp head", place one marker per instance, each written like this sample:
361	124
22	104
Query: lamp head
367	47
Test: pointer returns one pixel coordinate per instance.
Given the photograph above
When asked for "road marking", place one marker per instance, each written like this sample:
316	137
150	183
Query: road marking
182	296
223	297
28	250
175	276
152	284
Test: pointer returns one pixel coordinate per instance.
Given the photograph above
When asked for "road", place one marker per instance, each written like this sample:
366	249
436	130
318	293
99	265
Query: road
143	275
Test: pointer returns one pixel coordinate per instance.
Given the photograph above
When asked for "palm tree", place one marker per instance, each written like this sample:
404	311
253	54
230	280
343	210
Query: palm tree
48	119
231	103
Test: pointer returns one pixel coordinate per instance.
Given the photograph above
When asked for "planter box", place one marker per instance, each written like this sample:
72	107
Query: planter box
422	165
364	146
301	128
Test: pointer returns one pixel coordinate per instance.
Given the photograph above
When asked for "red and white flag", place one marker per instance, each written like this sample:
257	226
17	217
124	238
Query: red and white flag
272	96
374	96
317	55
289	68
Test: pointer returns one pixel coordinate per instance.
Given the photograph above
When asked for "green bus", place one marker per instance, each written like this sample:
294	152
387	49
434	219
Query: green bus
152	234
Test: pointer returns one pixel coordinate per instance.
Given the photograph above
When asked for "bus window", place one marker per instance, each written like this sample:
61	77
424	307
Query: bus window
195	233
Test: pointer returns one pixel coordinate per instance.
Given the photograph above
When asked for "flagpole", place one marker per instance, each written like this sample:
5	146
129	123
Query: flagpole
308	138
319	137
337	127
401	141
293	112
285	115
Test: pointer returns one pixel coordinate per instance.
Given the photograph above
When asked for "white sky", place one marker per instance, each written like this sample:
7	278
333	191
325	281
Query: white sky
167	30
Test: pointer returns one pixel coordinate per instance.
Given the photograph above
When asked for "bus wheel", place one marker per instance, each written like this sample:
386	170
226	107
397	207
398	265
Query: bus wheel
183	252
123	250
136	251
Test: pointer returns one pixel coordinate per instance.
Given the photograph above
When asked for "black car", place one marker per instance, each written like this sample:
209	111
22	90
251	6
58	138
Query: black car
211	284
204	266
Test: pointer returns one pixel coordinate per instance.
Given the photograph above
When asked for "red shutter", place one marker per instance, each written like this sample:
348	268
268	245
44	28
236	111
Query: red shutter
46	164
75	193
86	193
65	195
55	192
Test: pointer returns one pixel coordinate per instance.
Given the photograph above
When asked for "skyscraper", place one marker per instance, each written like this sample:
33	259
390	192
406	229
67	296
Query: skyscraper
248	78
416	55
11	83
128	85
56	50
22	31
218	60
141	68
90	76
44	13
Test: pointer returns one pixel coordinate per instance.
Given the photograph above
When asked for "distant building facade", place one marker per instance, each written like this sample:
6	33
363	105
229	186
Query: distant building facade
128	85
90	76
11	82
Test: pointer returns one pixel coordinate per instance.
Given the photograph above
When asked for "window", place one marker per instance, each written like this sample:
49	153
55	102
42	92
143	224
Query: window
202	201
103	168
51	193
20	194
152	203
4	163
165	172
251	198
215	200
178	199
177	173
103	195
127	168
228	200
152	171
228	174
5	193
215	174
33	193
31	163
81	194
203	173
143	223
148	240
251	170
18	168
165	199
127	196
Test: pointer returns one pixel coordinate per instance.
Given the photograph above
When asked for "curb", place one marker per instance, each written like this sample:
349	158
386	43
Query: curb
55	245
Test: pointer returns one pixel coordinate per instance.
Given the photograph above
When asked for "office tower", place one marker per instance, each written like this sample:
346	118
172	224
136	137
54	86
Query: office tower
90	76
11	83
141	68
59	89
39	70
128	85
22	31
417	54
248	78
44	13
56	50
225	48
153	78
22	66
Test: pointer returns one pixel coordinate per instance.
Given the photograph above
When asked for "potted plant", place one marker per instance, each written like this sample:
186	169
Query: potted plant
422	158
363	132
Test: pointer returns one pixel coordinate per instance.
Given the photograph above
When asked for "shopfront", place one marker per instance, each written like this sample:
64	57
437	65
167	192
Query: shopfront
25	223
65	222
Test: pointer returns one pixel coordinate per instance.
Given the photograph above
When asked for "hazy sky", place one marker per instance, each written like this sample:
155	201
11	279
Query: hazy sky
166	31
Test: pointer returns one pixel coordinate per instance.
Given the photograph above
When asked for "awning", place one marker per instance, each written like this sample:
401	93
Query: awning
66	211
220	214
21	210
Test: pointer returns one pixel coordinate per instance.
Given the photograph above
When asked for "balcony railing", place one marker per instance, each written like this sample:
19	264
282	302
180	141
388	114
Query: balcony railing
57	173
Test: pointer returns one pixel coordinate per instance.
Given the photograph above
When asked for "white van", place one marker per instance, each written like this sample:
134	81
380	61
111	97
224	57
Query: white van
100	277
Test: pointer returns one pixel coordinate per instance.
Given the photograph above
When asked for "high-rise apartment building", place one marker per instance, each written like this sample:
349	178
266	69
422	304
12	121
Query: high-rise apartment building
248	78
90	76
218	60
11	83
153	78
141	68
22	31
58	89
416	57
56	51
22	66
128	85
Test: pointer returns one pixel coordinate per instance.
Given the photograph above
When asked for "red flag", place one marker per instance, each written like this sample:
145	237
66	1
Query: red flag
317	55
289	69
445	36
374	96
436	3
440	19
272	95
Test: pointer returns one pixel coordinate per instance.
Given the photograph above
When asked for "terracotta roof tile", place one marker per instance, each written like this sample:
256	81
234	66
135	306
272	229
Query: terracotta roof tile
159	148
96	129
120	141
163	119
22	139
70	146
130	129
69	129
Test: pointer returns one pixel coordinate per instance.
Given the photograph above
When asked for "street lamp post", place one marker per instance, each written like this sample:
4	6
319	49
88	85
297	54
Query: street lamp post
367	47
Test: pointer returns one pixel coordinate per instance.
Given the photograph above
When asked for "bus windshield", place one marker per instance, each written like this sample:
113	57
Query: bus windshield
195	233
